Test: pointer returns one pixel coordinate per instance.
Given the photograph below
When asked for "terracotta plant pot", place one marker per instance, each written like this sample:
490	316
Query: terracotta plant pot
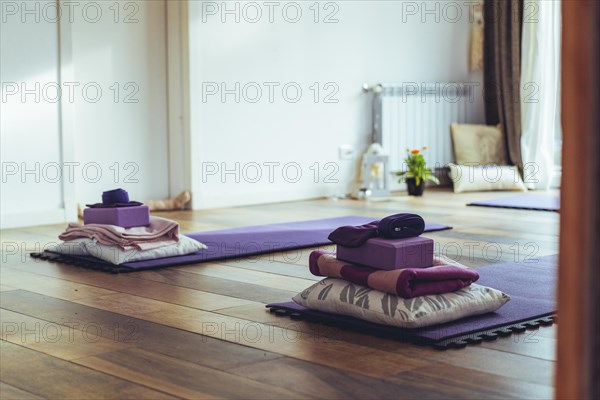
413	189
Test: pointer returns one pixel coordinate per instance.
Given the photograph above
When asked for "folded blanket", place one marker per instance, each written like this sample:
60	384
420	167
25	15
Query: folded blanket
396	226
444	276
160	232
115	255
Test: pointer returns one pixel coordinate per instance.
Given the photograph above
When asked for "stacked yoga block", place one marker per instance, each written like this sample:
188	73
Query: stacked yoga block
388	254
392	243
116	209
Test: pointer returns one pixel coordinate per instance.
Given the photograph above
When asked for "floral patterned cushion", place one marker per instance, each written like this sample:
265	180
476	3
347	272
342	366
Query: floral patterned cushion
342	297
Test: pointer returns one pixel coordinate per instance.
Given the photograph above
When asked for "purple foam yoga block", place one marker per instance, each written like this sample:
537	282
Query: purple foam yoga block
125	217
415	252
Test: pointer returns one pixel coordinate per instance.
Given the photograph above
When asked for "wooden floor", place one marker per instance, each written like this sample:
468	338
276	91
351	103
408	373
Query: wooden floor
201	331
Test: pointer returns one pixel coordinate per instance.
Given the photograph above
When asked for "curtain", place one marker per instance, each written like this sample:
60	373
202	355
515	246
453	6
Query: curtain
540	90
503	20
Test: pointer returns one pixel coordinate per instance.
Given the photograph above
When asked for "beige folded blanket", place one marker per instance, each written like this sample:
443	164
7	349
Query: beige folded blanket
161	232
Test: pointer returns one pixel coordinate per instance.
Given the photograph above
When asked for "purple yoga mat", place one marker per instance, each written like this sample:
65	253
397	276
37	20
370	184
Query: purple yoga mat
539	202
255	240
531	286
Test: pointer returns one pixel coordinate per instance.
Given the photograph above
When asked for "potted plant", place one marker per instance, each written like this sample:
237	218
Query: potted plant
416	172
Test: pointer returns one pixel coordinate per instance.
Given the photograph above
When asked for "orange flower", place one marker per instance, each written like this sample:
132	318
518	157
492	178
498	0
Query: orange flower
415	151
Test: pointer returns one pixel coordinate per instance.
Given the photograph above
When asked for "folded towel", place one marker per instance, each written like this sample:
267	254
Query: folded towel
396	226
160	232
444	276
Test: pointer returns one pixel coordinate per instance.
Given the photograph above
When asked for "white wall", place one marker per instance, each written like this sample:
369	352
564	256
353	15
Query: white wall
125	132
29	124
371	42
114	137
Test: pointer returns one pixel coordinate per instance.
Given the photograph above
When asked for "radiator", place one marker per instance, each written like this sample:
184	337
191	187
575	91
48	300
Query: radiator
414	115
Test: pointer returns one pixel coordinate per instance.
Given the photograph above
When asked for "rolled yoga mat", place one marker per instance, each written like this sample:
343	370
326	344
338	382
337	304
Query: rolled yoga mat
397	226
530	284
238	242
537	202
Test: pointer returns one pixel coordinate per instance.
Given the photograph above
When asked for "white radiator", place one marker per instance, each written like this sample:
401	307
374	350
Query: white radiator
414	115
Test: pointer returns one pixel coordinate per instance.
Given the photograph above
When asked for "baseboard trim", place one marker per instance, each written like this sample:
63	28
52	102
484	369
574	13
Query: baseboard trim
32	218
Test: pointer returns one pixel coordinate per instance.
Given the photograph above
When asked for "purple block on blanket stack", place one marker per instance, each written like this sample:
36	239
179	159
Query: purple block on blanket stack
380	253
125	217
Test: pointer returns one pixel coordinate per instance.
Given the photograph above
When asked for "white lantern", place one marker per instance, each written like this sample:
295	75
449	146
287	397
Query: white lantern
375	175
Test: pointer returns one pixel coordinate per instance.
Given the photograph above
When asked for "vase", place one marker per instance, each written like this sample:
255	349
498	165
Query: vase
413	188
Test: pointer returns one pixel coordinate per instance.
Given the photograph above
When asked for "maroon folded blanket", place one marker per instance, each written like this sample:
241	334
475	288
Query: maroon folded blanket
444	276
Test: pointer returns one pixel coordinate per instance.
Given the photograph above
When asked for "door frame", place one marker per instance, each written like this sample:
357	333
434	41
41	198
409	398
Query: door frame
178	96
578	344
